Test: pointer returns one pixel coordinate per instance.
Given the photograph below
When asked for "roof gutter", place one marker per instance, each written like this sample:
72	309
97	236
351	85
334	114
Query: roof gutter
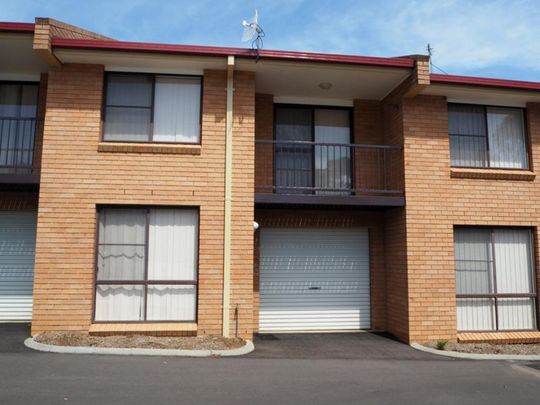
485	82
122	46
16	27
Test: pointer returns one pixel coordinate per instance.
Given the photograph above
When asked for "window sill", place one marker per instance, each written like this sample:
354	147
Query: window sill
149	148
156	328
492	174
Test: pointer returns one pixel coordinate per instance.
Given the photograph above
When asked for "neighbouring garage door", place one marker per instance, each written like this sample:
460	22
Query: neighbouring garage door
314	279
17	247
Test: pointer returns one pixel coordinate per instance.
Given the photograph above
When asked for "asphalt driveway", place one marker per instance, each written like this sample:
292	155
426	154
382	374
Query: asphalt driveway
285	369
360	346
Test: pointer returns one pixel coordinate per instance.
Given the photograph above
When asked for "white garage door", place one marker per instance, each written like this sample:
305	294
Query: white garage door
17	247
314	279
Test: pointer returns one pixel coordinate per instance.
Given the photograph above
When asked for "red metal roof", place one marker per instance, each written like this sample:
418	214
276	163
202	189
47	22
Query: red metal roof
483	81
16	27
224	51
398	62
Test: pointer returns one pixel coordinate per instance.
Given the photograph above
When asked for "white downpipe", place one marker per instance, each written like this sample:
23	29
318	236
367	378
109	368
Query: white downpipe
228	199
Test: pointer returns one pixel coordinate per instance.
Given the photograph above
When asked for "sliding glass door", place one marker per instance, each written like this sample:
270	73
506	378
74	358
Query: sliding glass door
313	153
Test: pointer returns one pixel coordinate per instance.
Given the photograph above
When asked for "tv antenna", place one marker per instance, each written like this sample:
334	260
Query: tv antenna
429	50
253	32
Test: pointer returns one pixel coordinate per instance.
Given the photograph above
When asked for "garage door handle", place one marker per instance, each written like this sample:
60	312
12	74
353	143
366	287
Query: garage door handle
314	288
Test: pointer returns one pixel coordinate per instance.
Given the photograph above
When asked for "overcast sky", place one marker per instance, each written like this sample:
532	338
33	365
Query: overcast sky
481	38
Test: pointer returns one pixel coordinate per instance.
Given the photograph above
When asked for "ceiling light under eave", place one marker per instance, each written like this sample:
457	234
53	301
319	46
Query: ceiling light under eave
325	85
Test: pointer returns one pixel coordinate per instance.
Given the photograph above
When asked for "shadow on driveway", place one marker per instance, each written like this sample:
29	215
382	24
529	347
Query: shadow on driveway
361	345
12	336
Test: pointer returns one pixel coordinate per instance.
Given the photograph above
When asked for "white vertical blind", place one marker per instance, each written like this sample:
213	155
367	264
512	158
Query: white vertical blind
474	270
506	134
475	314
119	303
171	302
121	244
172	248
513	258
172	256
177	109
494	261
467	128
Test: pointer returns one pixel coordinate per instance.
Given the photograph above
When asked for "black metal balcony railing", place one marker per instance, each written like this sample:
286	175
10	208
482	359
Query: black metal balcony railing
301	167
17	144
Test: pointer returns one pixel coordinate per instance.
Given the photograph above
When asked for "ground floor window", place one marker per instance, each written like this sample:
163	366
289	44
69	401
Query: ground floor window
146	264
495	279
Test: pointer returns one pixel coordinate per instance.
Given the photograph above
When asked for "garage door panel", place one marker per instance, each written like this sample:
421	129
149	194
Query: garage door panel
17	247
314	279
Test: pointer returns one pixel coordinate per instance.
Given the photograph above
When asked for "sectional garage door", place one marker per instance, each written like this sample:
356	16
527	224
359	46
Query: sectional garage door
17	246
314	279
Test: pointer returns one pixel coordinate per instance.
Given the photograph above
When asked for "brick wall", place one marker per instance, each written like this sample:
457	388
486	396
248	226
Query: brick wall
395	236
76	177
41	110
436	202
373	220
264	131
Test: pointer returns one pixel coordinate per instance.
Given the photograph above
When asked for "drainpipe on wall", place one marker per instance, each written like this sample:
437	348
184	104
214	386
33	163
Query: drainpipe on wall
228	199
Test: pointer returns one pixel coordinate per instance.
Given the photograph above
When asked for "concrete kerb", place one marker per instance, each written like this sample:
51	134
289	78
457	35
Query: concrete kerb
476	356
32	344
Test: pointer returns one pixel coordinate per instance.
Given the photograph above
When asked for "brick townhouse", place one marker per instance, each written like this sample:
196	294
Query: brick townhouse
189	190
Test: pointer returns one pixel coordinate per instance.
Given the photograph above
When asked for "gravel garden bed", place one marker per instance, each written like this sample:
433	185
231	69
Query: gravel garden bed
491	348
139	341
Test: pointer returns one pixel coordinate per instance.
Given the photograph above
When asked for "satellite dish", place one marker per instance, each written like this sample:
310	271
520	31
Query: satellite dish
253	32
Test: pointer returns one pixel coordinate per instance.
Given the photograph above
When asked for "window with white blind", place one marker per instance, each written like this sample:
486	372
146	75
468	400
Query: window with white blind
495	282
152	108
146	264
487	137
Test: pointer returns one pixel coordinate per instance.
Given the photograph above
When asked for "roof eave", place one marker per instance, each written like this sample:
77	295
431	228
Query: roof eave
193	50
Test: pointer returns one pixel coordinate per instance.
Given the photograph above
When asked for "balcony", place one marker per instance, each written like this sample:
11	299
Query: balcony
303	172
18	160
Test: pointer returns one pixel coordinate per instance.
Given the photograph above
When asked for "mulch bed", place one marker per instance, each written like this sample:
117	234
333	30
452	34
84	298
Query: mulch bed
139	341
492	348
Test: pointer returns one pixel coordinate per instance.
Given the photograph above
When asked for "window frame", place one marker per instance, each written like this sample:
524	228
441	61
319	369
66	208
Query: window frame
495	296
22	83
488	166
152	76
145	282
311	143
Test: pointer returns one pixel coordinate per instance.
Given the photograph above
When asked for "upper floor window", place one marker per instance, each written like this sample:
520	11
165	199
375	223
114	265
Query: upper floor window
18	111
152	108
491	137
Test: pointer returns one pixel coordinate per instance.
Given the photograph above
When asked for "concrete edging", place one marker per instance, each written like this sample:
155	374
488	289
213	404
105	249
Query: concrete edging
475	356
32	344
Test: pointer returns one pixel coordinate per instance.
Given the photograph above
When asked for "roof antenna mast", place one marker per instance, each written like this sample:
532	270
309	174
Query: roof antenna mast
429	50
253	32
